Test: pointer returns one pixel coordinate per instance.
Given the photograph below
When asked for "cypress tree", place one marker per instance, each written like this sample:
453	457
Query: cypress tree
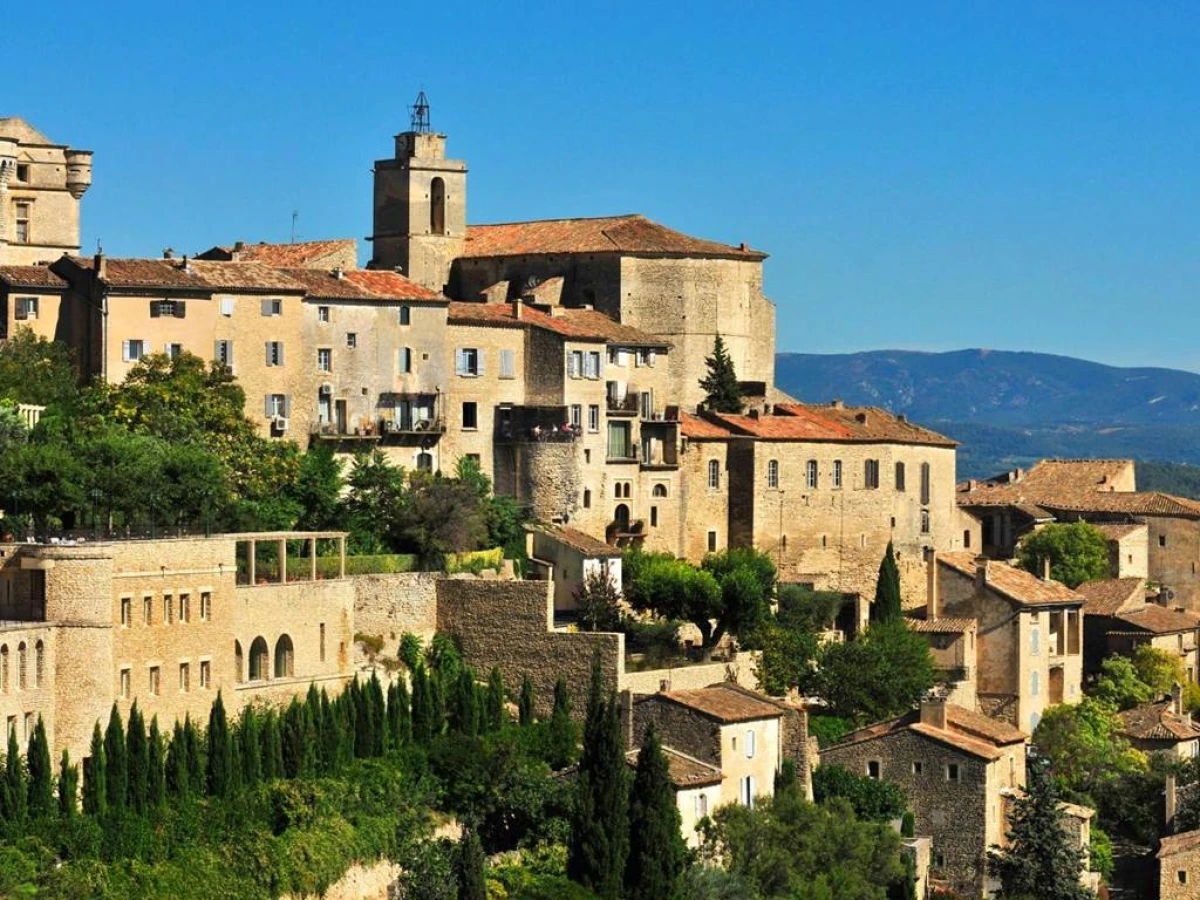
463	712
422	707
250	744
403	729
495	701
41	776
657	852
116	762
525	705
95	777
599	841
364	738
472	884
272	747
156	776
16	789
177	767
68	786
218	775
887	607
292	738
720	383
437	704
562	732
378	715
195	763
136	754
332	734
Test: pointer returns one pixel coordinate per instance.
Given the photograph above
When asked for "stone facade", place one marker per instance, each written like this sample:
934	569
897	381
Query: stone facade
387	606
1179	866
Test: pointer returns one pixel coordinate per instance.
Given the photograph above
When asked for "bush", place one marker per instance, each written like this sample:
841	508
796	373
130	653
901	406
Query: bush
872	800
828	730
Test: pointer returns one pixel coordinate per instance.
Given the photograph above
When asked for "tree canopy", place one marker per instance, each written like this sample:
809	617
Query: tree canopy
1077	552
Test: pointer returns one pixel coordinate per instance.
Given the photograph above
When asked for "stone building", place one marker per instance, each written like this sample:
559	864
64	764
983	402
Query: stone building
569	557
1030	643
697	786
323	256
1162	727
1178	860
954	766
1119	619
41	184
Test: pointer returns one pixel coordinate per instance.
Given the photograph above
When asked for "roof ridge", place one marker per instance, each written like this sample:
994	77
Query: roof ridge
561	219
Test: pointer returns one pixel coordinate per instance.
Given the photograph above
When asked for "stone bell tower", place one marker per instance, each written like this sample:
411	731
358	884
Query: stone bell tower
420	205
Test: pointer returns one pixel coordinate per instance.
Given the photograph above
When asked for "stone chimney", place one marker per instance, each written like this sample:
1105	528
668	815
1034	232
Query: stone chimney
1046	569
837	404
933	712
339	273
99	264
981	564
518	308
1172	803
1177	699
933	606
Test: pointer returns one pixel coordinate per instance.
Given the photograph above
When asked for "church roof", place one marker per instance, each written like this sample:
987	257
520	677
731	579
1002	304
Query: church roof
630	234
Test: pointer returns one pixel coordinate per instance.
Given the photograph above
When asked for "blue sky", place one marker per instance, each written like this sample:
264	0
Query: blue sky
928	176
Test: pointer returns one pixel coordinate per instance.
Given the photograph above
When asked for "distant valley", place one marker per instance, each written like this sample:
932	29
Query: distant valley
1011	408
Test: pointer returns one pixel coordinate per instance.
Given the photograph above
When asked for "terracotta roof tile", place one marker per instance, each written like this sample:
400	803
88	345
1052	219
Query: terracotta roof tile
811	422
1077	474
192	275
1156	619
968	731
632	234
295	255
574	324
1109	596
725	703
1174	844
580	541
391	285
982	726
696	427
1115	532
941	625
31	277
1015	584
1157	722
685	771
245	276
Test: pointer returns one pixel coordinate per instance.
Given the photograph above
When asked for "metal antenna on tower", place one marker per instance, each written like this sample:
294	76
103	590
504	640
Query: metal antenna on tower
420	113
295	216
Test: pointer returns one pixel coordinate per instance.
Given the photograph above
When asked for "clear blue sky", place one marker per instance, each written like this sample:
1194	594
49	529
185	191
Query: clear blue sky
930	175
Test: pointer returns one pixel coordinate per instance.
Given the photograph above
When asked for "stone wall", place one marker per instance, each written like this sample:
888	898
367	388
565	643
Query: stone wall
508	625
742	670
678	727
389	605
362	881
1173	887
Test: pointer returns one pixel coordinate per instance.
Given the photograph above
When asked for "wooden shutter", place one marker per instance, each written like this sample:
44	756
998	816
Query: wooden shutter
267	406
460	362
180	309
479	357
266	307
126	350
155	309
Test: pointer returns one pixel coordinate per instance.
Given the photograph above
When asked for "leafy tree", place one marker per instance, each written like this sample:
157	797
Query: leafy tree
178	783
116	762
1119	684
720	383
598	600
747	580
45	481
156	786
1083	744
882	674
495	701
95	777
442	516
525	705
872	800
318	490
657	852
786	660
674	589
41	775
1077	552
887	606
471	865
219	773
1160	670
463	707
599	842
68	786
1041	860
374	502
37	371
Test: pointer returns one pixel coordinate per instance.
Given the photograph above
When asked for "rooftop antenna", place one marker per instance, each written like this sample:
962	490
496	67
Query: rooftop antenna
420	113
295	216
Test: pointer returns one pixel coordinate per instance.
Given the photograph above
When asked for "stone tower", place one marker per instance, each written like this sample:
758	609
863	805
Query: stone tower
41	184
420	205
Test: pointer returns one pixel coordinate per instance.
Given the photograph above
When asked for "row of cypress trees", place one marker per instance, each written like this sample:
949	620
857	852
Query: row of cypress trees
27	788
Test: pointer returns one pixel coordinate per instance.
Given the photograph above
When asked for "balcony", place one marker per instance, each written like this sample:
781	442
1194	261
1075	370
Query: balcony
367	430
668	415
534	425
622	406
404	418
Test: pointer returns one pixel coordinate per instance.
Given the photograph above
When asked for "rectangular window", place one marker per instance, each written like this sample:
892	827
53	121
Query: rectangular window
227	306
132	351
593	418
322	644
205	674
925	484
26	308
508	364
837	473
325	359
952	772
205	605
470	416
924	521
619	444
351	339
126	603
646	403
272	306
154	681
276	406
574	363
871	473
22	233
168	609
167	309
811	474
1035	640
274	353
900	476
591	368
750	743
185	607
22	173
712	542
773	474
576	416
918	768
323	314
587	499
406	358
701	805
185	677
174	351
148	610
468	361
125	683
654	517
873	769
746	791
224	354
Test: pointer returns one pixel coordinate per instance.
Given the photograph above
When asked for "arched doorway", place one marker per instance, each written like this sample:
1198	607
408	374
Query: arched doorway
284	657
621	518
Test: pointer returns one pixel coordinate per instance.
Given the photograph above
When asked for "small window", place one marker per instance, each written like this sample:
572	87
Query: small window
185	677
351	339
508	364
751	743
322	643
873	769
406	315
1162	540
654	517
224	354
1181	876
924	521
810	474
126	604
939	860
272	306
167	309
168	609
900	476
926	487
23	173
174	351
154	680
325	359
746	793
467	362
967	538
276	406
470	416
1035	683
21	236
659	490
714	474
147	610
773	474
587	499
274	353
594	418
837	473
712	542
323	314
205	605
952	773
185	607
1035	640
125	683
591	365
575	364
205	674
132	351
701	805
424	462
871	474
576	417
918	767
26	308
406	360
227	307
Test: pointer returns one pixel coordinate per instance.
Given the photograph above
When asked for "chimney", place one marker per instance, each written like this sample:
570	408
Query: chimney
239	246
743	246
518	307
981	565
902	417
754	412
837	404
933	712
972	484
168	253
1171	805
1046	569
1177	699
1018	474
187	266
932	600
99	264
339	273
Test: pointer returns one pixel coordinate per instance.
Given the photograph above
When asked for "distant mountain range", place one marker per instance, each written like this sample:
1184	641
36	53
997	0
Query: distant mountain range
1010	408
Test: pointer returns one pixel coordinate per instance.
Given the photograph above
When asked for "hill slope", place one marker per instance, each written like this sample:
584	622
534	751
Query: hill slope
1009	408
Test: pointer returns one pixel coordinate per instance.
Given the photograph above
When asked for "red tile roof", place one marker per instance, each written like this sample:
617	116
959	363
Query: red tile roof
1016	584
695	427
191	275
567	322
1116	532
295	255
1111	595
812	422
965	730
941	625
1157	722
1155	619
630	234
39	277
1077	474
251	277
685	771
392	285
726	703
578	540
359	284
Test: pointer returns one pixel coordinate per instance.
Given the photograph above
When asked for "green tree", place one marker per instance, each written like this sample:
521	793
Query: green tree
442	516
375	501
95	777
422	707
598	600
156	785
196	766
887	607
68	786
675	589
720	383
137	756
1118	683
1077	552
1084	745
41	775
36	371
599	841
881	674
250	745
657	852
15	793
525	705
464	709
1042	860
318	490
472	884
402	730
1158	669
495	701
219	774
872	800
116	762
45	481
272	747
178	783
562	732
746	578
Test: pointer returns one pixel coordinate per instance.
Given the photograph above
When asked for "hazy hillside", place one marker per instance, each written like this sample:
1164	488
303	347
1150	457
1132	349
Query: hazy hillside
1011	408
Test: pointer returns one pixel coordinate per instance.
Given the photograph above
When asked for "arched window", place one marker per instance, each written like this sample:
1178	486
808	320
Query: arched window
660	490
714	474
773	473
424	462
437	206
238	662
39	663
621	517
284	657
405	314
21	677
4	668
260	660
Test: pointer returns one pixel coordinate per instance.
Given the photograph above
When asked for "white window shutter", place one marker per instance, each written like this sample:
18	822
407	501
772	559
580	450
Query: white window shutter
460	363
281	360
267	406
227	306
126	351
480	356
266	307
650	358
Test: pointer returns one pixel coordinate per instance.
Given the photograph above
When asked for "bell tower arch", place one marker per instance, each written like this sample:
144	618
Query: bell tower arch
420	220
